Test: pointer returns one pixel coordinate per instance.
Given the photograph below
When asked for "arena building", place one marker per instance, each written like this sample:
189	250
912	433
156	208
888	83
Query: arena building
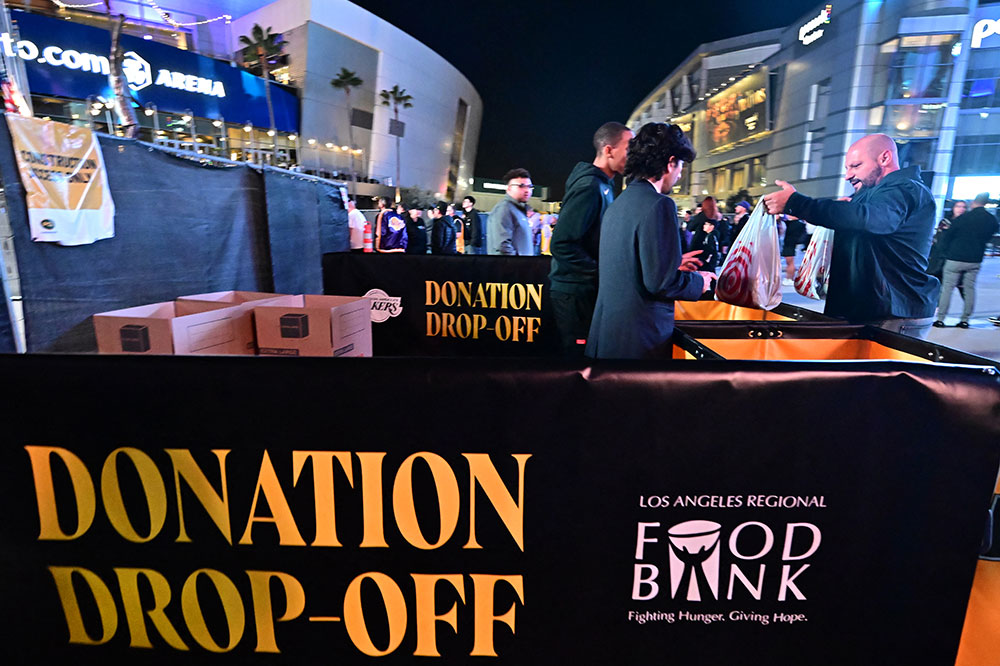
184	64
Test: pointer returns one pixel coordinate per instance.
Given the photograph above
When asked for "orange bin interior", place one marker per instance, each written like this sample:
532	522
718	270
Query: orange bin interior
719	311
800	349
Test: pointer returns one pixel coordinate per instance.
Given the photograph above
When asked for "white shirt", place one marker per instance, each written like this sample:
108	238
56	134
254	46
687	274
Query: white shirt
356	222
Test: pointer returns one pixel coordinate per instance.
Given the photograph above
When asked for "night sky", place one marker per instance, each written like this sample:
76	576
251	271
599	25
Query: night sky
551	73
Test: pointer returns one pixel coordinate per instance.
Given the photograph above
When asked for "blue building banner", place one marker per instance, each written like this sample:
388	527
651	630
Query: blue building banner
71	60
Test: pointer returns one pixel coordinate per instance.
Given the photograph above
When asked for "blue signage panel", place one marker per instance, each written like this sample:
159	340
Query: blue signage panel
71	60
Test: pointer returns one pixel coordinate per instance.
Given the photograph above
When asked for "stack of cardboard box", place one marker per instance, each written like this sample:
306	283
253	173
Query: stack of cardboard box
240	322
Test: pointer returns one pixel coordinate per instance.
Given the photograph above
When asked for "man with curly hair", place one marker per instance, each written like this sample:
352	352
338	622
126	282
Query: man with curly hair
642	268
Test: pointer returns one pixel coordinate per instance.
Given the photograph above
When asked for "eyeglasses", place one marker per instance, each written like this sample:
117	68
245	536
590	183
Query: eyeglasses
523	187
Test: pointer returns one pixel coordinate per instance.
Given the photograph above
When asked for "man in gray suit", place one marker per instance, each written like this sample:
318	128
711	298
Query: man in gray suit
509	230
642	268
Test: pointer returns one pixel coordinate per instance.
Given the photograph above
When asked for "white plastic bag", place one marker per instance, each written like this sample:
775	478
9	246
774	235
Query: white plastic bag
751	274
813	275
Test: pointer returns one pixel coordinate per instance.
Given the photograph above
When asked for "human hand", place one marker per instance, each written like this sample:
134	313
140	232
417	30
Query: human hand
776	201
707	277
690	262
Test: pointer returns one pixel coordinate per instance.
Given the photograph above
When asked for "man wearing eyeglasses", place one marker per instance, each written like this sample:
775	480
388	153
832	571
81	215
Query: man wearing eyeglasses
509	230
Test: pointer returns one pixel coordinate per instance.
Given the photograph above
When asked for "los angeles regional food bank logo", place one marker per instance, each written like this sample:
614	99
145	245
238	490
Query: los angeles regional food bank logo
384	306
707	560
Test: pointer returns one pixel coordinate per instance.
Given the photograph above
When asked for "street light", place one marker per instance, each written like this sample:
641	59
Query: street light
220	124
151	110
188	117
93	109
248	128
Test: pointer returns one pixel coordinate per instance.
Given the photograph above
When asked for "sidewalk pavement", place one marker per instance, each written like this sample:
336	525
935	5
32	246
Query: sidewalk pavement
981	338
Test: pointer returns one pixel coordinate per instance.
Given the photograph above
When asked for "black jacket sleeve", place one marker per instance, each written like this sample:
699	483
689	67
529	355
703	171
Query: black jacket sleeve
660	256
881	214
581	211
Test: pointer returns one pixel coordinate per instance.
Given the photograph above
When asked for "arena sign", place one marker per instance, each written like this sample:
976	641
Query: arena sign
983	30
70	60
813	29
137	69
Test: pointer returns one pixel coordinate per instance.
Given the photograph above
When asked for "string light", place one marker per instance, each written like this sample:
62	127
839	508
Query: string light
63	5
170	19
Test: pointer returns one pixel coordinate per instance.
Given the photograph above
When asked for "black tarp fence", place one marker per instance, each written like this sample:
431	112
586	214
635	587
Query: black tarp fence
839	510
181	227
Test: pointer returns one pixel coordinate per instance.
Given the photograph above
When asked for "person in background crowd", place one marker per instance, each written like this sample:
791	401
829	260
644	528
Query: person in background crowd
741	216
443	233
415	227
709	211
456	217
794	231
878	269
473	232
958	209
356	223
509	230
548	226
963	246
576	239
535	221
706	241
935	259
687	229
390	229
642	270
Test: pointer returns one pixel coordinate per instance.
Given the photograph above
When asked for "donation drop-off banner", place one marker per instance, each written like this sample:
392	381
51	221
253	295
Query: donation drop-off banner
214	510
65	181
458	305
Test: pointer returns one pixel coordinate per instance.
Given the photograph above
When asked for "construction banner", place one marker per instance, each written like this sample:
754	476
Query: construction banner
65	182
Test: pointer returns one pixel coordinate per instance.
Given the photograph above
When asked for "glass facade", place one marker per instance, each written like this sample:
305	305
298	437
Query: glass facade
917	66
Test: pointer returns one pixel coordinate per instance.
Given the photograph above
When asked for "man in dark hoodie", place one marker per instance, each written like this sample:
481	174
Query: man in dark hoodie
575	240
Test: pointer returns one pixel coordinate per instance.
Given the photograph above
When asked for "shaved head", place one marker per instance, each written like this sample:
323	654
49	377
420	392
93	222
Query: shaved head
870	159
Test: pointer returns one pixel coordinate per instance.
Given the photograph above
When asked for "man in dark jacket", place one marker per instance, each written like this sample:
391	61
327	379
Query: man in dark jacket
443	232
878	269
473	227
575	240
642	268
963	245
416	229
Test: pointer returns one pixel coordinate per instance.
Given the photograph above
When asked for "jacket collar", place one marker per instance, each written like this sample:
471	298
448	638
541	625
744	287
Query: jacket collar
523	207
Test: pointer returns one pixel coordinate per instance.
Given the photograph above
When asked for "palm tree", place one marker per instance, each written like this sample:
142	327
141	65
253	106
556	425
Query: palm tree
260	47
396	98
345	81
123	97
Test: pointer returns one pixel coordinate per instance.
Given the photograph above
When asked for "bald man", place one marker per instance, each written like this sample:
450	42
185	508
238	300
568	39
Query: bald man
878	272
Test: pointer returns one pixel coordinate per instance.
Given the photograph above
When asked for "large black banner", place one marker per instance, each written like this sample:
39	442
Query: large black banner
464	305
241	510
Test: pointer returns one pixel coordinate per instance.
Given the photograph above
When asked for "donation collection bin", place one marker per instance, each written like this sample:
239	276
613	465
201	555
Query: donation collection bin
813	341
711	310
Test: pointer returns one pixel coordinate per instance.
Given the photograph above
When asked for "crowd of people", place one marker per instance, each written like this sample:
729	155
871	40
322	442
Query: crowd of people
705	229
885	271
446	228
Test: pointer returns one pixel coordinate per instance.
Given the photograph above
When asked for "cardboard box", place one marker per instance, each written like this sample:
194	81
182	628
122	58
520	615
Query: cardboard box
244	302
315	326
171	328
